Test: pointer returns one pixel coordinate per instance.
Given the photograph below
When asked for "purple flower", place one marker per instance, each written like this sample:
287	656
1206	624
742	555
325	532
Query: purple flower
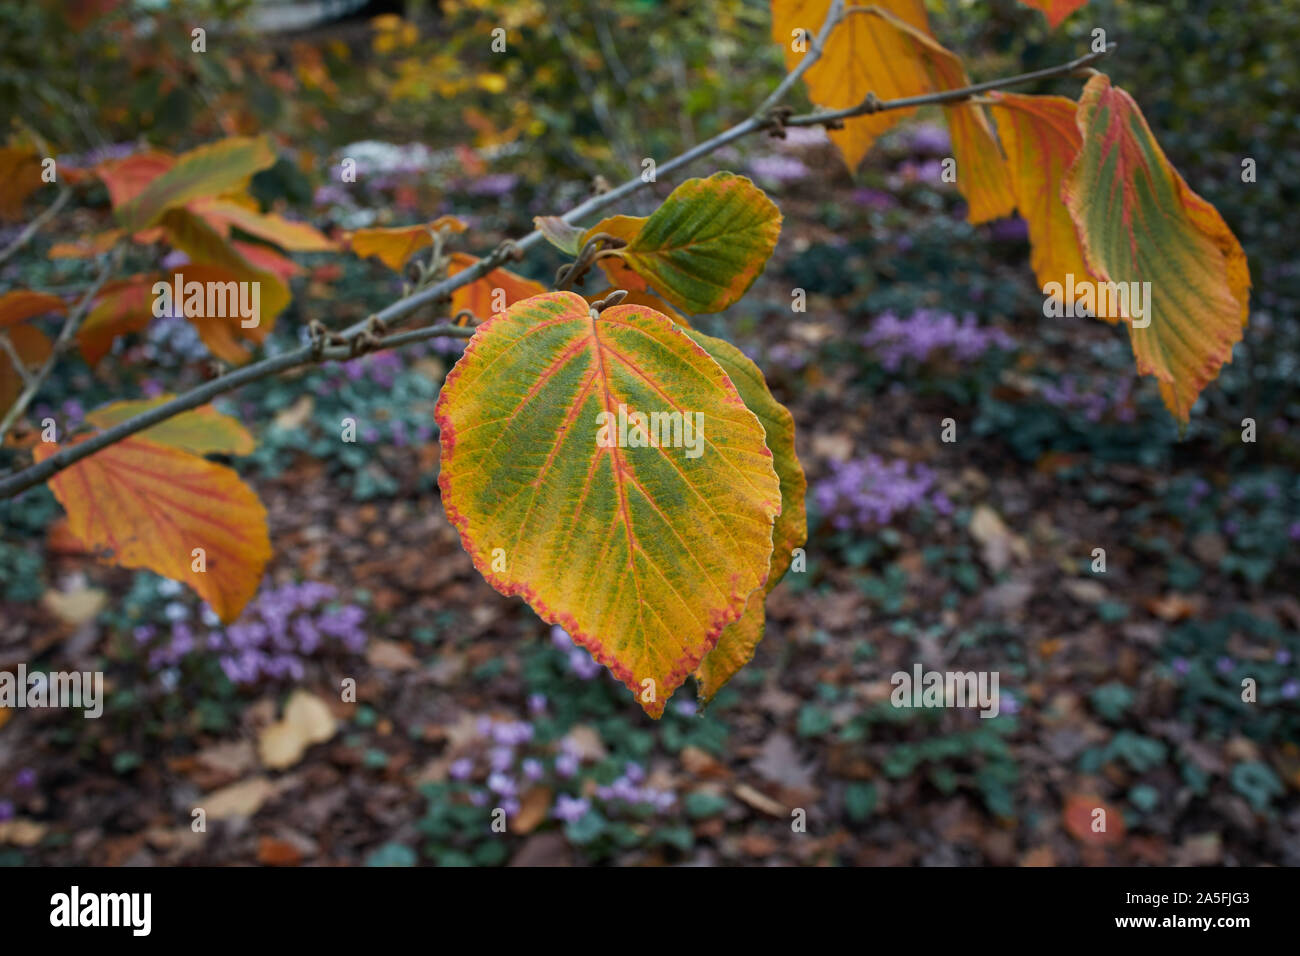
6	810
566	764
25	779
1291	689
870	492
536	703
1224	665
1181	666
533	769
927	331
502	784
461	769
570	809
500	758
778	169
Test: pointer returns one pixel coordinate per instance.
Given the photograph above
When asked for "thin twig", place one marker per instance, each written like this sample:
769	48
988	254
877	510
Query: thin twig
7	346
439	292
33	227
833	17
61	344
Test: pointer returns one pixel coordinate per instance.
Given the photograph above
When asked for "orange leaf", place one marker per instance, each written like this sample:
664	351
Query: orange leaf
1056	10
20	176
285	233
23	304
642	552
1041	141
154	506
32	347
125	307
495	292
394	246
619	273
863	55
268	260
1139	222
86	247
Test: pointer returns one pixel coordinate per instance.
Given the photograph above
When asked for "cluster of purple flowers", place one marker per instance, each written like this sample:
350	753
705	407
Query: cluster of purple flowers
870	492
629	789
1095	400
926	331
281	628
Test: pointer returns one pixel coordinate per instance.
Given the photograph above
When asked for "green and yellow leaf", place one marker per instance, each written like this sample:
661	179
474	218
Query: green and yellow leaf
202	431
1138	221
738	641
704	247
210	170
643	554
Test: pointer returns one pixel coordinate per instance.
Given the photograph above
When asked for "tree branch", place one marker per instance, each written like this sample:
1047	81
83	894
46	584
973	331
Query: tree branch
61	344
35	225
440	292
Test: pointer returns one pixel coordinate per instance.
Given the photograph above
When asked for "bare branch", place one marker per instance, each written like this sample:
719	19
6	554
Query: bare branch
35	225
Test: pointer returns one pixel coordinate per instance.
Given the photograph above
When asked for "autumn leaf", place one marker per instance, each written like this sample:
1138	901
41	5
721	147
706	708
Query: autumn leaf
480	296
33	348
560	234
706	244
126	178
210	170
641	553
1041	141
86	247
1138	221
395	246
981	171
217	261
19	305
203	430
125	306
619	273
738	641
159	507
20	176
863	55
1056	10
222	214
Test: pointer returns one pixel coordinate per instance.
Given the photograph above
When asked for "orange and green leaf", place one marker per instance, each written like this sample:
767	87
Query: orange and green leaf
151	505
210	170
738	641
643	554
1041	141
1138	221
706	244
126	178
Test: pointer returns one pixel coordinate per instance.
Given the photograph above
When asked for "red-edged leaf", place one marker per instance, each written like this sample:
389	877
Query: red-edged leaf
1139	222
210	170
